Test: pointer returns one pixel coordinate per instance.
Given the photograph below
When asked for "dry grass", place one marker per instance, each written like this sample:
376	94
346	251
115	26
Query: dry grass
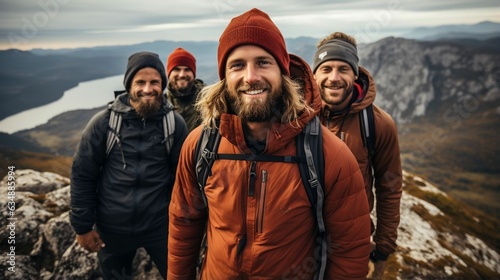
37	161
462	160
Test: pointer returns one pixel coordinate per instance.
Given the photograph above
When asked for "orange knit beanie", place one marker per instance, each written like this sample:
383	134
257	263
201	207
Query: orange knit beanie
181	57
253	27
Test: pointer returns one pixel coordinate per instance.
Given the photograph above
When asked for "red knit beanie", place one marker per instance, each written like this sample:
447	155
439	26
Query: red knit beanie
254	27
181	57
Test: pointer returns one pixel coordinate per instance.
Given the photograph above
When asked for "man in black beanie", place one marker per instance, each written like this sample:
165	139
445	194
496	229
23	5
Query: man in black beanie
123	172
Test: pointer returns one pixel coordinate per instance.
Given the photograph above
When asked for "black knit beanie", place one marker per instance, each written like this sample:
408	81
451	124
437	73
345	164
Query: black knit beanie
336	49
140	60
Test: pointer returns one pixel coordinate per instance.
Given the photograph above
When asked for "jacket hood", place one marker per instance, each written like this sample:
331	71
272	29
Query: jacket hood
365	80
281	133
122	105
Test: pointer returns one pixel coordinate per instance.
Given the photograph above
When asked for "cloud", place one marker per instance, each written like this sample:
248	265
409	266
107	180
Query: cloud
28	24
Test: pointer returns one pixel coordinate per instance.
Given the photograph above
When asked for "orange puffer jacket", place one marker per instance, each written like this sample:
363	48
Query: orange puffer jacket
270	234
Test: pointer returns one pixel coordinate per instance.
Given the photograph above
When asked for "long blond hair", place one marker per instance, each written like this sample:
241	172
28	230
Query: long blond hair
213	101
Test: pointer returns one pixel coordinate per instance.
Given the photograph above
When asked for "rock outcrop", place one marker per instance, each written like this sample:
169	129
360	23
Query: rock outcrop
45	246
416	78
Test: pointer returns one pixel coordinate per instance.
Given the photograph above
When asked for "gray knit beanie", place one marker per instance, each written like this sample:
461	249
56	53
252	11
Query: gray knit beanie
336	49
140	60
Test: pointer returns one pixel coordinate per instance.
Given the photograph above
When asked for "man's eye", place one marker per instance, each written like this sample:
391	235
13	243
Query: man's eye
236	66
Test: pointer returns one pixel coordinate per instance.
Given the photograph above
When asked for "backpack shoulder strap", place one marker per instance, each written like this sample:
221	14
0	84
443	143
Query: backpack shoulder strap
168	130
115	123
367	125
205	155
310	145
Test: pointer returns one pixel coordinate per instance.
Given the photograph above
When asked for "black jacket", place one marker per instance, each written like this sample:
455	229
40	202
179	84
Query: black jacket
130	200
184	103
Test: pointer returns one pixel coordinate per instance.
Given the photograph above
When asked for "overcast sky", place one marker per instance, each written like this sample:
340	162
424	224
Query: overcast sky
54	24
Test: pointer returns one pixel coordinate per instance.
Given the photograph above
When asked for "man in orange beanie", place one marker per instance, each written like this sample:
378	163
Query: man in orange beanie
183	87
254	207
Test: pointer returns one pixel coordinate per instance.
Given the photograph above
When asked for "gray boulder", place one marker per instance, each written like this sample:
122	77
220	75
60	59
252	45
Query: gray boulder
42	239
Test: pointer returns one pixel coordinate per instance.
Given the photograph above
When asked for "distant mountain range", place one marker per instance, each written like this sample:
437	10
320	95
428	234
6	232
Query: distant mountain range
34	78
481	31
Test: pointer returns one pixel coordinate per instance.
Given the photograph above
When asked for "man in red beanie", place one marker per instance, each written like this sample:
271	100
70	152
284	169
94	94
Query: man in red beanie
258	219
183	87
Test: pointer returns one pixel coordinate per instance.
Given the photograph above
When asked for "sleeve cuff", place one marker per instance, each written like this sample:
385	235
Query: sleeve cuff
376	255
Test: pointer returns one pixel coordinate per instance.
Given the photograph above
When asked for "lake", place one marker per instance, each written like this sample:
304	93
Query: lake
87	95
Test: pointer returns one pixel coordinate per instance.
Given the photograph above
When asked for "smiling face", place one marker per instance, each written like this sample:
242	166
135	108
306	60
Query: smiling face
335	80
254	81
145	92
181	79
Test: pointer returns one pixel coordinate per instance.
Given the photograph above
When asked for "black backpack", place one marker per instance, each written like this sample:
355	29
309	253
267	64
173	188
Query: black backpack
309	157
367	126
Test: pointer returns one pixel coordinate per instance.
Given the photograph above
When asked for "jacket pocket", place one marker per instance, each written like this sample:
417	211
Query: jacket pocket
261	202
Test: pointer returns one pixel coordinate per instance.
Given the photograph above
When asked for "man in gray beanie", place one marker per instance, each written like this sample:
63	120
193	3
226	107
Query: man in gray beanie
348	92
120	192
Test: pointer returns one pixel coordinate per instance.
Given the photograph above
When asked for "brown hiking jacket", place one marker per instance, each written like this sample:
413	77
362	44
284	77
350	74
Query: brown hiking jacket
272	233
386	181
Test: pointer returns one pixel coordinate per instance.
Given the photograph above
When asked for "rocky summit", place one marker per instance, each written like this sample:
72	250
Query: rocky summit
434	241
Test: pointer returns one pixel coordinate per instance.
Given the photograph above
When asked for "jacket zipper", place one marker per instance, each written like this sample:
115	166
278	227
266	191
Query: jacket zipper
327	116
139	178
261	203
251	187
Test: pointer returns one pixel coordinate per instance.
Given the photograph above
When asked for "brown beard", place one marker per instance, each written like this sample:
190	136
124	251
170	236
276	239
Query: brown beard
258	110
182	91
146	109
348	89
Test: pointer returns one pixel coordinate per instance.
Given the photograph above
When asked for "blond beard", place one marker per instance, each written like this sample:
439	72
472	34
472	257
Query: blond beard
258	110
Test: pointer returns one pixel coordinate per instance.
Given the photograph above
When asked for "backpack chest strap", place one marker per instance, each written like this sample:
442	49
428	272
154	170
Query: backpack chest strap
253	157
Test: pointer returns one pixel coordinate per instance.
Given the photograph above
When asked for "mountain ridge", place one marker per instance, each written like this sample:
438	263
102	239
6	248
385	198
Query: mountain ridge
36	85
473	30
